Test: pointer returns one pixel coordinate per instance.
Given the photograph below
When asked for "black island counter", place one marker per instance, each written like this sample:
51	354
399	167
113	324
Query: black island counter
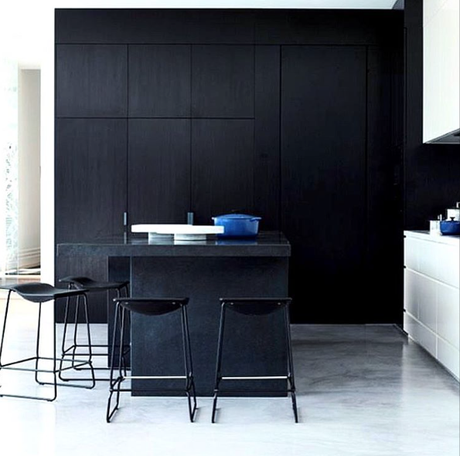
203	271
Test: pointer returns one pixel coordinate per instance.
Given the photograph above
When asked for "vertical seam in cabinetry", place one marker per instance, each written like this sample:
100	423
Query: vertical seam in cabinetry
191	209
254	120
280	130
55	154
366	164
127	140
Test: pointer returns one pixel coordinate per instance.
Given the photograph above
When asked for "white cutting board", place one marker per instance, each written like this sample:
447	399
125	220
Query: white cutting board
163	228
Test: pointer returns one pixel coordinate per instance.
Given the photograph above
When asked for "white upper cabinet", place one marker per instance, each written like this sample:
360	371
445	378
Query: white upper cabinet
441	68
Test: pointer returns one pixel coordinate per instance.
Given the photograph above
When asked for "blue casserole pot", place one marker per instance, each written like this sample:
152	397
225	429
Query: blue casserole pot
450	227
238	225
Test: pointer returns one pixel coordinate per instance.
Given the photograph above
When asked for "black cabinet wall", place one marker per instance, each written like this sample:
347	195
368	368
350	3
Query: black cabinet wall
158	170
223	81
222	167
323	173
91	81
159	81
90	189
277	113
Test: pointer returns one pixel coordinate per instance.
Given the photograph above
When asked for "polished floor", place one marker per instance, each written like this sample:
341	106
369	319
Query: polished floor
363	390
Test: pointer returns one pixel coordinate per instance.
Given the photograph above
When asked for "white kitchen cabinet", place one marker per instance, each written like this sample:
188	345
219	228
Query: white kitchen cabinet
431	295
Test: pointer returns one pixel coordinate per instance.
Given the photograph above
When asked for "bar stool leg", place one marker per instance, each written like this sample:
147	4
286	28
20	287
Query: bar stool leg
115	385
189	383
119	295
74	346
290	366
218	376
37	353
64	332
58	371
4	325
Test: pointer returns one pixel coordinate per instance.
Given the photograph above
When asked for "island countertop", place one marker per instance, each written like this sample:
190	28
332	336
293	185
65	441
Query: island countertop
266	244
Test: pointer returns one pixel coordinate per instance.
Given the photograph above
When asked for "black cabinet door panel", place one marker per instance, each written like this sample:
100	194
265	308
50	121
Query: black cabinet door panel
385	242
267	136
159	81
223	81
90	194
222	167
91	81
159	170
90	178
323	175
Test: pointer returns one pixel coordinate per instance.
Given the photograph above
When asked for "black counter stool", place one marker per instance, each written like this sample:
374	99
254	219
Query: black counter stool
255	307
39	293
90	286
149	307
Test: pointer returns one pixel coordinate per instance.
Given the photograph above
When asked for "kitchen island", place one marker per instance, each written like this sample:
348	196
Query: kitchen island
204	271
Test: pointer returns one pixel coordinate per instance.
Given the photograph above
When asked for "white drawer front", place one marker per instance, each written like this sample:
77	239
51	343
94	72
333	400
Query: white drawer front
411	292
428	258
448	316
411	253
420	334
448	270
427	301
449	356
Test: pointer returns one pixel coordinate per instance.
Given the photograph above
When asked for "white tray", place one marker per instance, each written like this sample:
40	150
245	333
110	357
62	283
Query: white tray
177	229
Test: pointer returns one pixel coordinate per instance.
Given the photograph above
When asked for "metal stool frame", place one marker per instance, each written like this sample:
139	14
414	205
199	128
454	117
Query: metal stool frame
37	358
146	306
83	283
255	306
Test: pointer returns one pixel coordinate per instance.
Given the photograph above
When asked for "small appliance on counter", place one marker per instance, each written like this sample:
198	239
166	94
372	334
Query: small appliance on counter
453	213
435	226
237	225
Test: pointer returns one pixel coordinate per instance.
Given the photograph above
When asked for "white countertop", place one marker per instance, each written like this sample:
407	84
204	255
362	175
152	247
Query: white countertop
439	238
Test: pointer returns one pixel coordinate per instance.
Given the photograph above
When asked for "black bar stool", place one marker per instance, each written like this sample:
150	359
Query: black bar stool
90	286
42	292
255	307
150	307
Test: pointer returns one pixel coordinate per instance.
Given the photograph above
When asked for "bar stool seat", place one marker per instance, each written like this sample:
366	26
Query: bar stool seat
255	307
90	286
150	307
40	293
80	282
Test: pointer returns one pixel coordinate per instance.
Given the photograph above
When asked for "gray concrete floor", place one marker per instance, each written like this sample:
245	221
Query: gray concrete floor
362	390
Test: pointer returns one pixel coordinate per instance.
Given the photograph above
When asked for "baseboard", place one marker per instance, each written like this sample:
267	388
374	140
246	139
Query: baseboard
29	257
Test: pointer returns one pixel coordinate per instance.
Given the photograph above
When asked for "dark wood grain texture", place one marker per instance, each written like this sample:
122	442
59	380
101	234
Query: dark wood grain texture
229	26
91	81
159	81
309	168
327	27
90	192
223	81
384	243
159	170
323	178
154	26
267	136
222	167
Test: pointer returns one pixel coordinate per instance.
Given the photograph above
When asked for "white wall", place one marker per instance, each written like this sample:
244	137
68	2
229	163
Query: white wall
441	68
29	168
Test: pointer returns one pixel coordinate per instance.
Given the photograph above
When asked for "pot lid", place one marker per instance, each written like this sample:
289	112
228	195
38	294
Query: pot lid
237	217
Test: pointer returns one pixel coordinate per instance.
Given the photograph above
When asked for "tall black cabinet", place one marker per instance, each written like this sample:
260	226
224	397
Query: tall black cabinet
276	113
